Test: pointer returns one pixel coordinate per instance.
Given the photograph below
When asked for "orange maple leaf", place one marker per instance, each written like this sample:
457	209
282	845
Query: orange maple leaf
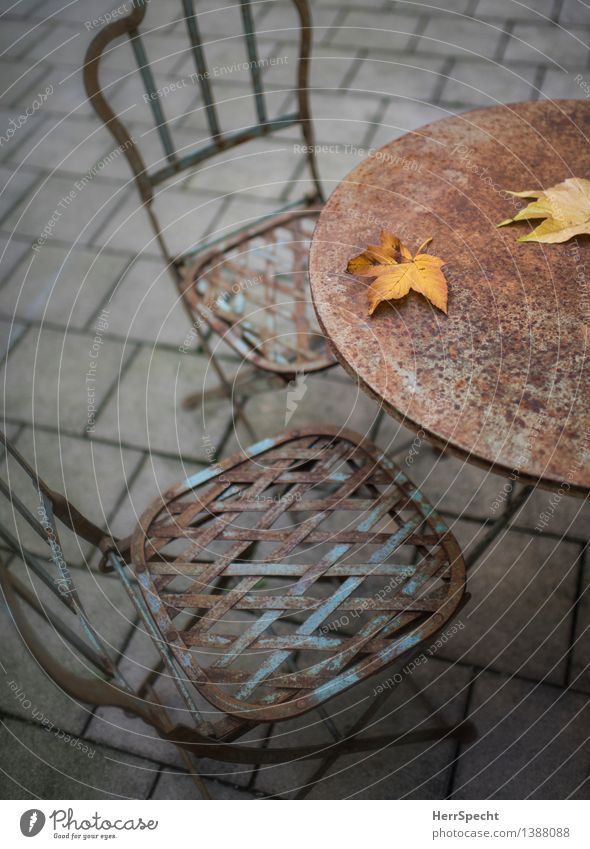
397	271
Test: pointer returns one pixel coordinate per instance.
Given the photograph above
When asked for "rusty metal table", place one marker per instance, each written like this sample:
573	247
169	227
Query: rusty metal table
503	380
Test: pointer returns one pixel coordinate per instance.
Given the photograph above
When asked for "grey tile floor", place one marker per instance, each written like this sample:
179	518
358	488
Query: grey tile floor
518	668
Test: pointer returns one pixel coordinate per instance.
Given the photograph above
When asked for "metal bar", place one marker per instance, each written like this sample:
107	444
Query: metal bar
250	34
202	71
152	92
281	570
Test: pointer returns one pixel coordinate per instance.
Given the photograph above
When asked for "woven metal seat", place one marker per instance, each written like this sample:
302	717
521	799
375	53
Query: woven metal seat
253	291
293	571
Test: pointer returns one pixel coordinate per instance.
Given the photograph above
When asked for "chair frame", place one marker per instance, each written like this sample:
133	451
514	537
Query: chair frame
219	142
203	739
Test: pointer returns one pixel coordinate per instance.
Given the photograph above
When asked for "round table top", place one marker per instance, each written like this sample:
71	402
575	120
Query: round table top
504	378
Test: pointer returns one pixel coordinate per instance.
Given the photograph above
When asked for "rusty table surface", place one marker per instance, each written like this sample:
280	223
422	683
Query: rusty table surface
504	379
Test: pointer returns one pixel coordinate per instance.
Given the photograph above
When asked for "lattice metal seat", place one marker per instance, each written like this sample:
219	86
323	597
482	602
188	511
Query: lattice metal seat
335	556
253	291
268	585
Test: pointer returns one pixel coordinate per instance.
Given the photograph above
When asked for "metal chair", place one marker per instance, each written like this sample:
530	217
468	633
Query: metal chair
251	287
269	584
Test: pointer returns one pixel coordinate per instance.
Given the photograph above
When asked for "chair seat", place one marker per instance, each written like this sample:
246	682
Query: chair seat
253	291
293	570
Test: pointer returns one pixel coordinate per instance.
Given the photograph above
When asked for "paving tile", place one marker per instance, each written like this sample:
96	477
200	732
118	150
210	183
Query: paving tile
113	727
14	185
79	13
557	84
341	118
61	285
146	305
334	165
146	409
154	478
44	766
26	8
179	785
236	107
59	210
239	211
25	690
12	249
261	168
528	737
59	43
69	96
514	10
326	401
179	98
580	655
47	379
19	77
551	513
403	116
283	18
74	145
225	53
16	126
280	780
427	6
90	475
10	333
327	69
519	618
460	36
546	44
396	440
184	217
376	30
399	74
574	12
165	49
16	38
454	485
417	770
481	84
149	146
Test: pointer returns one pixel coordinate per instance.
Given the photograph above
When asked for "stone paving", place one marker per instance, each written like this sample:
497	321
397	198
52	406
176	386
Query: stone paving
519	666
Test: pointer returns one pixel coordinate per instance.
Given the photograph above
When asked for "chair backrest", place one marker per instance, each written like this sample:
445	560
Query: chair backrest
134	27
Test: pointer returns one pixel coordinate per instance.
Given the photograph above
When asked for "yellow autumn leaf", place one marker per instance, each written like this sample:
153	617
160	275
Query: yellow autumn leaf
397	271
565	208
